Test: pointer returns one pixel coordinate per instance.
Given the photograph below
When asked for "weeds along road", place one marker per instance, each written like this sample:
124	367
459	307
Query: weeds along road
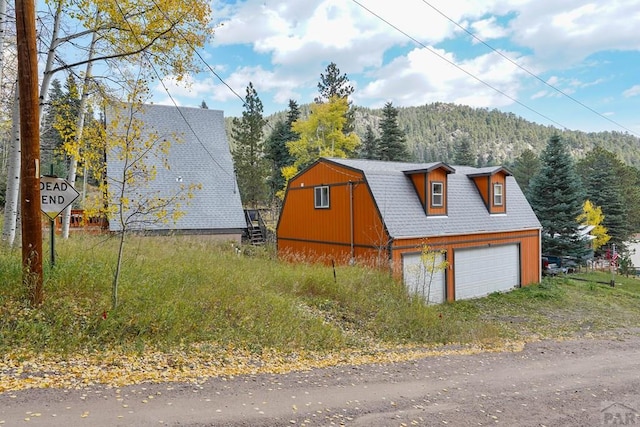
585	382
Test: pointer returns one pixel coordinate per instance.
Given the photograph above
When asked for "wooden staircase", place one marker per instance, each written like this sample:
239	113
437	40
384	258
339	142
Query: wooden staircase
256	227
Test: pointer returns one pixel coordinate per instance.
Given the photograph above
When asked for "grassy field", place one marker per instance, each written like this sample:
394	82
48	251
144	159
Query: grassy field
177	290
182	293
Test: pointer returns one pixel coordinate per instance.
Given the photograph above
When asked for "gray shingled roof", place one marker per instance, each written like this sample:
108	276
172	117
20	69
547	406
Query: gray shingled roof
404	215
201	156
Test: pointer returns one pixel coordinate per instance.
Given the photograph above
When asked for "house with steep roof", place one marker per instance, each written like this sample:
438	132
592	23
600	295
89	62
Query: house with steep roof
197	154
476	223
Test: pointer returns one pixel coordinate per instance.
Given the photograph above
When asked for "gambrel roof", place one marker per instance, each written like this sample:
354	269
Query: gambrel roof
404	215
199	154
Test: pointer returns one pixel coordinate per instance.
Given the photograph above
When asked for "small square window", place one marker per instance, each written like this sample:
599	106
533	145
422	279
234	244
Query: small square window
437	194
321	197
497	194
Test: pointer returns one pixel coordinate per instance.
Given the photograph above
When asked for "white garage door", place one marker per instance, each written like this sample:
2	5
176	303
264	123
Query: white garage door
419	281
481	271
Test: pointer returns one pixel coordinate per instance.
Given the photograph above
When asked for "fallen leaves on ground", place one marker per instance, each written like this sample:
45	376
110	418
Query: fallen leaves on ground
113	368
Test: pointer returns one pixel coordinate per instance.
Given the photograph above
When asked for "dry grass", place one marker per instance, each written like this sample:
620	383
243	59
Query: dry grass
193	308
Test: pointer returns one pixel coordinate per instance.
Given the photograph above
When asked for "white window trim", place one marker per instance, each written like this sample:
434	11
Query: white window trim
434	194
321	192
498	196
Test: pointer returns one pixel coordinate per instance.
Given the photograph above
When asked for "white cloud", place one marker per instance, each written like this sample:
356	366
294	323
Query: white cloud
380	46
488	29
632	91
562	33
406	81
540	94
172	91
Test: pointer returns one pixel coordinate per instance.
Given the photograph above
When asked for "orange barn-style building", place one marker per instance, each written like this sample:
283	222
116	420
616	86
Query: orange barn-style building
367	211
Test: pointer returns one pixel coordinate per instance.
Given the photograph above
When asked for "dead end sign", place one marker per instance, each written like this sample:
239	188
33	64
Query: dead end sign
55	195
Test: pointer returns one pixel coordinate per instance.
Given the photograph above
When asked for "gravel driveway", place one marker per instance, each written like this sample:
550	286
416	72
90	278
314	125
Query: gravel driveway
583	382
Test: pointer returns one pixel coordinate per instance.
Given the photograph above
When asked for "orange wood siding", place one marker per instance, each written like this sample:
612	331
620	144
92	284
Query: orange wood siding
351	227
418	180
437	175
499	178
529	241
351	221
485	187
482	184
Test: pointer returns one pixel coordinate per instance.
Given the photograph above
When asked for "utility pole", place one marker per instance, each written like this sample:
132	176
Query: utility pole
30	150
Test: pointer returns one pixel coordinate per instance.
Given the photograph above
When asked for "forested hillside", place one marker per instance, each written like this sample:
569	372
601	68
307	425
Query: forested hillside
496	137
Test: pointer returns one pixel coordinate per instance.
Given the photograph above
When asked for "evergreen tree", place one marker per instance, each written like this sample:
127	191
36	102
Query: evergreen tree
629	178
600	171
335	84
491	160
276	150
464	154
525	167
369	147
248	155
59	124
392	144
50	138
556	197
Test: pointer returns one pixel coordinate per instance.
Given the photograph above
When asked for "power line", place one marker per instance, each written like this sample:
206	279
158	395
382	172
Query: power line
209	67
526	70
478	78
418	42
170	96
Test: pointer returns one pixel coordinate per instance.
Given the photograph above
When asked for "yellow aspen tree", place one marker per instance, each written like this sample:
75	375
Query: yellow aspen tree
321	135
431	262
592	215
117	33
137	152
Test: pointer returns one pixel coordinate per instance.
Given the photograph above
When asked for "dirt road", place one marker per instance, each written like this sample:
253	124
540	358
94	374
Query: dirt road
586	382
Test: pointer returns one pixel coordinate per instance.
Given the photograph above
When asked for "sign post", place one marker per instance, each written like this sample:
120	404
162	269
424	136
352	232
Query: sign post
55	195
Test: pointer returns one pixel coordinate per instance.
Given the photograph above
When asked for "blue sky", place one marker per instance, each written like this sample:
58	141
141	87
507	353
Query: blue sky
571	63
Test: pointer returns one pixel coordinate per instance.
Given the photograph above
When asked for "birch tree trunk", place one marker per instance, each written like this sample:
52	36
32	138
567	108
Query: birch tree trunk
51	55
13	177
73	167
3	26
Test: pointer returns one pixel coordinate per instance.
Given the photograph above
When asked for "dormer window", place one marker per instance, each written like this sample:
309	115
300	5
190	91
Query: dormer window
497	194
437	194
431	183
321	197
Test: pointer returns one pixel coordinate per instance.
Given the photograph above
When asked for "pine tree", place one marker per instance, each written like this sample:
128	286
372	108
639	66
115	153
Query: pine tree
276	150
525	167
368	149
464	154
556	197
335	84
59	123
248	155
629	178
50	139
600	171
392	144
